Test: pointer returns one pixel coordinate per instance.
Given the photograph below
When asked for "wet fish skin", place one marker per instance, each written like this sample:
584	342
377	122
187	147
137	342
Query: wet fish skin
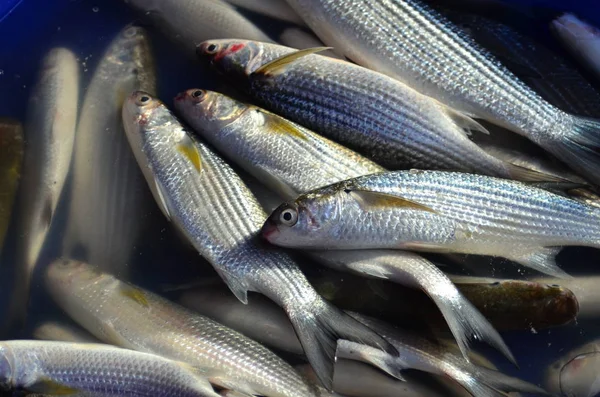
291	160
125	315
540	65
438	211
418	353
49	134
581	38
60	368
189	22
11	159
220	216
259	319
287	157
390	123
584	287
62	332
109	198
419	47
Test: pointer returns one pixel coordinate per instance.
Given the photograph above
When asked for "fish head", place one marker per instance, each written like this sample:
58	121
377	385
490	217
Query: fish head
63	274
6	368
236	59
580	377
210	111
130	48
307	222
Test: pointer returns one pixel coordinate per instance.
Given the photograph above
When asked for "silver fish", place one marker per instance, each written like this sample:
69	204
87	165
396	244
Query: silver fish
296	37
277	9
369	112
189	22
353	378
409	41
575	374
109	198
581	38
122	314
217	213
291	160
273	328
63	332
49	136
259	319
418	353
63	368
438	211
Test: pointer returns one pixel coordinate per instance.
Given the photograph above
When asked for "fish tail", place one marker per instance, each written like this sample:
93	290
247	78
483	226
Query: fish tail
467	324
498	380
319	331
393	366
580	148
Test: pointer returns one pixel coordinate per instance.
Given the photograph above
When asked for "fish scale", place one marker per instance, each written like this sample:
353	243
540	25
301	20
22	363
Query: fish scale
466	214
409	41
374	114
220	216
95	300
62	368
292	159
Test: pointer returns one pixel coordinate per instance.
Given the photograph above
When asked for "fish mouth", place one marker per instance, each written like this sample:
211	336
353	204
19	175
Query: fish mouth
270	231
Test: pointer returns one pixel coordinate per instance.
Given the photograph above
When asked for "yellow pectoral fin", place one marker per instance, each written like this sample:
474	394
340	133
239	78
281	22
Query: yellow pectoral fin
135	294
376	200
279	125
278	65
51	387
188	148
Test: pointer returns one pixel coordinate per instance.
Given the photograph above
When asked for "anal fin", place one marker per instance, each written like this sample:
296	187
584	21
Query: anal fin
542	259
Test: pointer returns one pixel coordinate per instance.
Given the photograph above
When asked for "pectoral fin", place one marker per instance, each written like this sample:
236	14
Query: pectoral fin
369	200
188	148
278	65
279	125
51	387
135	294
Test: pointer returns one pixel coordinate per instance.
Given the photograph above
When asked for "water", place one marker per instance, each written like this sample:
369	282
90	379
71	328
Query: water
162	258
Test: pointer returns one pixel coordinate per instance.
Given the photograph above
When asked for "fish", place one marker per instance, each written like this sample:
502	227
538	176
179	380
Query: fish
353	378
390	123
190	22
296	37
259	319
65	368
49	134
539	64
291	160
521	304
277	9
109	196
584	287
273	326
418	353
575	374
130	317
438	211
414	44
62	332
11	160
204	198
581	38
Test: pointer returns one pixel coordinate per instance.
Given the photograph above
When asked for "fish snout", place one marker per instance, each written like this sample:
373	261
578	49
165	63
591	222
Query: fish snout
270	231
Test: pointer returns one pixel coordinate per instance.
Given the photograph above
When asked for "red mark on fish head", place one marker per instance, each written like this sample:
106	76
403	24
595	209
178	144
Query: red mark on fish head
229	50
180	96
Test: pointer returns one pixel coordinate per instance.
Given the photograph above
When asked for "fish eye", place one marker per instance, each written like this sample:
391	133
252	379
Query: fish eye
198	95
212	48
288	216
142	100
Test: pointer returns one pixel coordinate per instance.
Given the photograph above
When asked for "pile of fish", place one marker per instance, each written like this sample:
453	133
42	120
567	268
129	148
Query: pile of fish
371	126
